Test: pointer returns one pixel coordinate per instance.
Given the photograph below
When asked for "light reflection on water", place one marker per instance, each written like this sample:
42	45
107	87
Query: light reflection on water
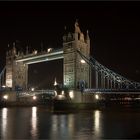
76	126
38	123
62	126
97	122
34	123
4	123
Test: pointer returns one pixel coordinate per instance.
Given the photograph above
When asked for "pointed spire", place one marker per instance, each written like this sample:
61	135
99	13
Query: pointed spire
14	49
27	50
65	30
77	28
65	34
14	44
87	37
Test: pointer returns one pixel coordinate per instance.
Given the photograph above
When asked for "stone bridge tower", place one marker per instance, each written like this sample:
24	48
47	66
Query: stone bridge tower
76	70
16	72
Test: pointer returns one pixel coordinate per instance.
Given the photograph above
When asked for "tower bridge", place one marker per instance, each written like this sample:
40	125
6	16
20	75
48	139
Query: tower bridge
79	68
73	70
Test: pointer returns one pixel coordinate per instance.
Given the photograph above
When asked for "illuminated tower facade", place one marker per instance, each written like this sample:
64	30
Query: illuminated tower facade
76	70
16	72
10	57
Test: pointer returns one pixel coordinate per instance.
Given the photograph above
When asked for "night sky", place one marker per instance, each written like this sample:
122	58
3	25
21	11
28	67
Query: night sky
114	29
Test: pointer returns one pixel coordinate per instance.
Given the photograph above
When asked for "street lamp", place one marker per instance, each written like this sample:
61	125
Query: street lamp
32	89
4	86
96	97
34	97
5	97
83	61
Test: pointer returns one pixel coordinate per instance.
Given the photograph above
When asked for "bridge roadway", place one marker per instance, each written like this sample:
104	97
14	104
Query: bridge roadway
86	91
41	57
36	92
90	95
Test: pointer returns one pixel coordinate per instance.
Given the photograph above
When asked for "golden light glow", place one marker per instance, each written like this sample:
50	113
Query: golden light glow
5	97
49	50
34	97
96	96
32	89
83	61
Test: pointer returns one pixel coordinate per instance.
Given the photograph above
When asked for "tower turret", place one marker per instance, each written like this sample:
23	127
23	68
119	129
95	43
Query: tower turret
88	41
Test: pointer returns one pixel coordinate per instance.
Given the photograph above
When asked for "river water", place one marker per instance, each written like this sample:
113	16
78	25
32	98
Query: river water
41	123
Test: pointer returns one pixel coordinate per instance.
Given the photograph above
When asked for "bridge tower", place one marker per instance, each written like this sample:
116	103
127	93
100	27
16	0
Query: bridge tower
76	70
16	72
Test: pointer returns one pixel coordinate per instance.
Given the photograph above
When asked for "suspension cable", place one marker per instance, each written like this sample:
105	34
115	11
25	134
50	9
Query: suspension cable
94	64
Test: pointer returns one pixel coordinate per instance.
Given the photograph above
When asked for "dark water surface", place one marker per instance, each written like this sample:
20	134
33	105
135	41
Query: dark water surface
39	123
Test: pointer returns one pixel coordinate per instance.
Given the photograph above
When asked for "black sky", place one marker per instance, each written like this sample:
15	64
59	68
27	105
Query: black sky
114	29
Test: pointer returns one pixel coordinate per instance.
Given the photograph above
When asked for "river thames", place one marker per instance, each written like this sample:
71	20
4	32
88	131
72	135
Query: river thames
41	123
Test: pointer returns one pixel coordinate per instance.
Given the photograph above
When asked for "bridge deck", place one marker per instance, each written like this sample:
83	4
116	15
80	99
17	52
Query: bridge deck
41	57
